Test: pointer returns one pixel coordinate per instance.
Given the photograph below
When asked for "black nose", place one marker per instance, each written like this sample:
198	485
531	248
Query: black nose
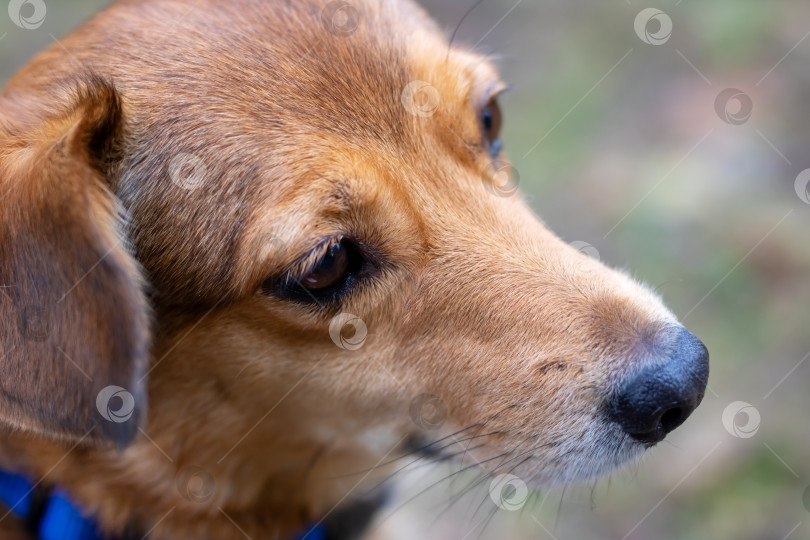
661	395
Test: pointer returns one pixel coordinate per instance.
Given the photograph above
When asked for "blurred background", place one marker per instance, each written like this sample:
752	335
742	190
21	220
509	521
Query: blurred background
669	138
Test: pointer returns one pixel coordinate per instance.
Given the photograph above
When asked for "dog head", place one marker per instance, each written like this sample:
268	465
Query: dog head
337	261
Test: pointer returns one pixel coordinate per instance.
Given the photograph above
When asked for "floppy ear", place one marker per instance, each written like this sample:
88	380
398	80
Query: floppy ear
74	320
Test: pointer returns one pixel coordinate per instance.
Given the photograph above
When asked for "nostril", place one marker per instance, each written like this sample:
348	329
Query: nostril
654	427
673	418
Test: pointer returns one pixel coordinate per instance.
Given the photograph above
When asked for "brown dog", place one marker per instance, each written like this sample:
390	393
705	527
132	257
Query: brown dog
202	199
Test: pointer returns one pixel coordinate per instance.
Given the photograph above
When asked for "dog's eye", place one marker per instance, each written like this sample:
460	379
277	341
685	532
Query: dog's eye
491	125
331	274
330	270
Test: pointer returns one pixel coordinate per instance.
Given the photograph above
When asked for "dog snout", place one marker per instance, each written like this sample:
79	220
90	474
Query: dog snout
660	396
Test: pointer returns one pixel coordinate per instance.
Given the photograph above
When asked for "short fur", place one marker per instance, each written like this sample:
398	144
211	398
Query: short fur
113	274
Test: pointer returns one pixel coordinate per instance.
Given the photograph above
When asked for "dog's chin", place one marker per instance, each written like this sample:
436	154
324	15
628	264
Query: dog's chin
586	466
572	461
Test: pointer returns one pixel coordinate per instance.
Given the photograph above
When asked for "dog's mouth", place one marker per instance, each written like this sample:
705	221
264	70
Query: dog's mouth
448	448
422	446
538	463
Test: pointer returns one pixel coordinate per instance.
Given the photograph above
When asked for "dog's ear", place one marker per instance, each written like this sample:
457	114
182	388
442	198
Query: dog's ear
74	320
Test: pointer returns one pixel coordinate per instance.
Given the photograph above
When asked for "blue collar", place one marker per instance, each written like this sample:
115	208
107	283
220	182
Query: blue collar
52	515
47	515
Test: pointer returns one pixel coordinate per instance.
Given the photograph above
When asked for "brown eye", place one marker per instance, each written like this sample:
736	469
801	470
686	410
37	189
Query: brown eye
330	270
491	125
331	276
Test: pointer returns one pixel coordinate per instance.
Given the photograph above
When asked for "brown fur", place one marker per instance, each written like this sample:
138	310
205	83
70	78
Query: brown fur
303	136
